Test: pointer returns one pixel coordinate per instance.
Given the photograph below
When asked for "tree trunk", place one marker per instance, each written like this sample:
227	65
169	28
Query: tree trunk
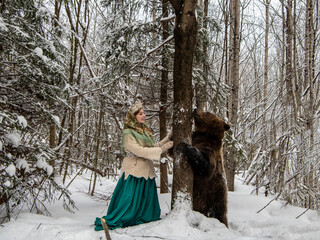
201	81
224	63
265	85
233	81
309	75
164	97
185	34
291	96
297	71
52	141
97	140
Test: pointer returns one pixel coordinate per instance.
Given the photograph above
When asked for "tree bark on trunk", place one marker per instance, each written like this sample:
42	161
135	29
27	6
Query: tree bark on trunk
164	185
233	81
97	140
201	81
265	84
185	34
291	96
309	75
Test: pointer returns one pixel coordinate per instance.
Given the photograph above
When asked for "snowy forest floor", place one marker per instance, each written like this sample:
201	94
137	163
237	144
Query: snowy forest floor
277	221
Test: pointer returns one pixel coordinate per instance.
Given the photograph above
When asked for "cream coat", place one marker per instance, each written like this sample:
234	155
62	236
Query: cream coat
140	159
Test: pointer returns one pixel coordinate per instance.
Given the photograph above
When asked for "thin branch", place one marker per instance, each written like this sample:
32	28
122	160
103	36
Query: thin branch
303	213
87	166
266	205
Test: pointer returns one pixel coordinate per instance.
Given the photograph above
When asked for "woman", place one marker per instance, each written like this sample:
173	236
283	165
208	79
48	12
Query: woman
135	198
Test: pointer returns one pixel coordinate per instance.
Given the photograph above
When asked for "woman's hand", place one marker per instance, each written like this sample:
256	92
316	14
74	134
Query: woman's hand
169	136
166	146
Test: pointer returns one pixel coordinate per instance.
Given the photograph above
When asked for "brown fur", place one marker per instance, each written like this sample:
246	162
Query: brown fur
206	158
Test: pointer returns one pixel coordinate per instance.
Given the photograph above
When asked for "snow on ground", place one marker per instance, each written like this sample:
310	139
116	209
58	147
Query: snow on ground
274	222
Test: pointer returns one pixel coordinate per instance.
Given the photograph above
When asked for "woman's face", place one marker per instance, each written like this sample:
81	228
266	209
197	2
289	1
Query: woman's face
141	117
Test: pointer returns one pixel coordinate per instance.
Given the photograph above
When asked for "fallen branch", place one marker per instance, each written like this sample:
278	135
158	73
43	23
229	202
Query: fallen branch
266	205
105	228
303	213
87	166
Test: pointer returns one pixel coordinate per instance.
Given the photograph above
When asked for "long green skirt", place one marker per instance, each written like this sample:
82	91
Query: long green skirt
134	201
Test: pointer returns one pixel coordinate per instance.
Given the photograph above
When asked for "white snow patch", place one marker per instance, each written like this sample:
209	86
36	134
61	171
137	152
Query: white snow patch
43	10
52	47
56	120
22	121
39	52
41	163
7	184
3	24
163	160
67	87
121	39
22	164
11	170
276	222
13	138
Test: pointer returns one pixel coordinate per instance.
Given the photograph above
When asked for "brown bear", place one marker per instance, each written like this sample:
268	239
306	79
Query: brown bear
206	159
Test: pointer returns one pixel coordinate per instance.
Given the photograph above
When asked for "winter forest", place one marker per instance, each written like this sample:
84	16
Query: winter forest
69	71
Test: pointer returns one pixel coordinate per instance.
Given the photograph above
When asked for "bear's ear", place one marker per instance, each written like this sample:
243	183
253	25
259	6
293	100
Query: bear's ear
226	127
196	112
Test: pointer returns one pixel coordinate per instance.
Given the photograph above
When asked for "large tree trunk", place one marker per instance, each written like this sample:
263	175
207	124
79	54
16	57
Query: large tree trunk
185	34
164	97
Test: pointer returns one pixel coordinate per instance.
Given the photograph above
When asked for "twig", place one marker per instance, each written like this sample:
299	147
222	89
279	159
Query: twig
152	237
72	181
266	205
39	226
303	213
146	236
143	236
105	228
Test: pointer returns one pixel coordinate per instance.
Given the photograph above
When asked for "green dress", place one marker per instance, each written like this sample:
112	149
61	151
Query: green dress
134	201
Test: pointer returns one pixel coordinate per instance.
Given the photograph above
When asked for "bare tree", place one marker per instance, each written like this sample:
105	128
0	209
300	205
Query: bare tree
309	75
164	185
233	81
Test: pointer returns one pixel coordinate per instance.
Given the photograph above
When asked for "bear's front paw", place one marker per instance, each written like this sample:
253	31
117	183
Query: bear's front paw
181	147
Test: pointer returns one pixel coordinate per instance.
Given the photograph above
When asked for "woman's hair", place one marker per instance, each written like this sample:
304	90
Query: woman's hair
136	112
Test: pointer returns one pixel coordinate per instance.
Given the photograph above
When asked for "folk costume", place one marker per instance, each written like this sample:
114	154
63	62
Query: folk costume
135	200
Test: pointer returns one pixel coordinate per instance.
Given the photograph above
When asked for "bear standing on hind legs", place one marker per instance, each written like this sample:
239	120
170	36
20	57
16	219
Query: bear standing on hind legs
206	159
